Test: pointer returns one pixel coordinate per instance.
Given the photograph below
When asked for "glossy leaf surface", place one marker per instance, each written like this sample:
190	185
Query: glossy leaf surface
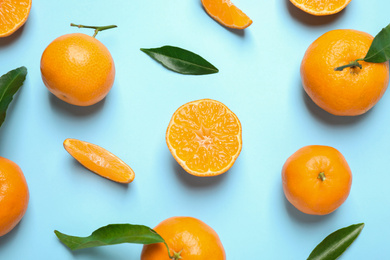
336	243
111	235
10	83
181	60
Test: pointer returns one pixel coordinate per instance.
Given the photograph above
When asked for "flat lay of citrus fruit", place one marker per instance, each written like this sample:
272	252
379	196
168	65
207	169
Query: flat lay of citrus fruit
14	195
204	137
187	238
78	69
13	15
352	91
321	7
212	103
316	179
99	160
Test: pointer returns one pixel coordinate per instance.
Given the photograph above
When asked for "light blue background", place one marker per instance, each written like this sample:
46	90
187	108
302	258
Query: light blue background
258	80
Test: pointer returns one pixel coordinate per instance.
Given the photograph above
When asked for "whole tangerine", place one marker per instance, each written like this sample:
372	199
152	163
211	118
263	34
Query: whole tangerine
78	69
352	91
316	179
187	238
14	195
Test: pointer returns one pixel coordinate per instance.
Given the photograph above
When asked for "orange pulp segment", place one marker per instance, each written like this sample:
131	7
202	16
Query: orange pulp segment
226	13
204	137
321	7
13	14
99	161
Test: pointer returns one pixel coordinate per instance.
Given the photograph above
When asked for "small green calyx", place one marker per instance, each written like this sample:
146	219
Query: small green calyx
321	176
176	256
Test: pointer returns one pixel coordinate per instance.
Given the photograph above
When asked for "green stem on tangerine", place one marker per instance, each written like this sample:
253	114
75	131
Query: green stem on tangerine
97	28
321	176
174	256
352	64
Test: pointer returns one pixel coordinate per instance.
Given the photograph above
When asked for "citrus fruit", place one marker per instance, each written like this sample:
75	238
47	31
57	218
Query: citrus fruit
316	179
78	69
321	7
352	91
204	137
14	195
187	238
99	160
226	13
13	14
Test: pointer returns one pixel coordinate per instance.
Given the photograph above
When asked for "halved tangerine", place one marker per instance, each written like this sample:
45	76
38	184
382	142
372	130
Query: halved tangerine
204	137
321	7
99	160
13	14
226	13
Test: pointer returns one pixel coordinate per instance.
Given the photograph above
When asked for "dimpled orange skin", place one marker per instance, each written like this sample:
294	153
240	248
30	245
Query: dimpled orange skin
14	195
78	69
350	92
305	190
196	239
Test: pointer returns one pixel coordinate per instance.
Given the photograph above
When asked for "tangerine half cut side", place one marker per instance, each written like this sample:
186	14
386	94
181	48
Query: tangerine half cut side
13	14
204	137
321	7
226	13
99	160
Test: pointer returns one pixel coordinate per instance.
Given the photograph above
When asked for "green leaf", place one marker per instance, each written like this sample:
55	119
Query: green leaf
181	61
111	235
336	243
10	83
380	47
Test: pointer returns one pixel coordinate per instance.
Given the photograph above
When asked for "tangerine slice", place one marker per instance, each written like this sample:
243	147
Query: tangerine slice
321	7
226	13
99	160
204	137
13	14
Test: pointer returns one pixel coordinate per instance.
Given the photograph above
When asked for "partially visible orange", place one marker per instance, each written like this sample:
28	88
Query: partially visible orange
226	13
316	179
78	69
99	160
321	7
13	14
189	238
352	91
204	137
14	195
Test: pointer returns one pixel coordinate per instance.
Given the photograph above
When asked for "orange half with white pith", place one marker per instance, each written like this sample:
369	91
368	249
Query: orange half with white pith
204	137
99	160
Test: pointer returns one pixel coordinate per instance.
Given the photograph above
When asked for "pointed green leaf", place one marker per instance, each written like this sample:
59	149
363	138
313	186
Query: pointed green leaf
181	60
111	235
380	47
336	243
9	85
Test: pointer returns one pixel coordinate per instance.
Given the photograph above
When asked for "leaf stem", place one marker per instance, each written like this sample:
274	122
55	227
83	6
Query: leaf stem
352	64
97	28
